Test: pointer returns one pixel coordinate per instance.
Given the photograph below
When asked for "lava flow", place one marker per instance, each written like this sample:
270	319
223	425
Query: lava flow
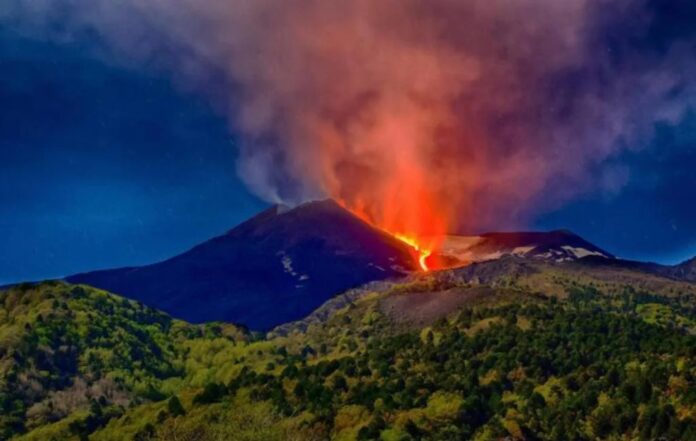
423	253
402	200
423	246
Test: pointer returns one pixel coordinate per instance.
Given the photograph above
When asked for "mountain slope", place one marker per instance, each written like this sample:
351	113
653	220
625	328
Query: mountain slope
685	270
511	348
274	268
436	294
558	246
439	358
80	353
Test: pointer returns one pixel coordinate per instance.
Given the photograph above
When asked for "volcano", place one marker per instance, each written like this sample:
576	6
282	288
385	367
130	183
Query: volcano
283	263
274	268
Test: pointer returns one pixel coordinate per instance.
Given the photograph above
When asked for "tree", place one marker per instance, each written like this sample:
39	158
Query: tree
339	383
212	393
174	406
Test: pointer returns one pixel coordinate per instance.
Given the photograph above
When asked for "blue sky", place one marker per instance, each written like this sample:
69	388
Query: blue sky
102	167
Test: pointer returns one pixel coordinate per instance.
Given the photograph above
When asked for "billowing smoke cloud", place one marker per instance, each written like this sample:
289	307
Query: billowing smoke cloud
424	115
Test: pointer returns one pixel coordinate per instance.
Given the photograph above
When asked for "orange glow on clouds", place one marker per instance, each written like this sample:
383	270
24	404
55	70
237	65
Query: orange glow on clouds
402	204
391	181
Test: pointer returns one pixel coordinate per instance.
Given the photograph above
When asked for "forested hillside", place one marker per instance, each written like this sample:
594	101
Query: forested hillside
77	356
493	363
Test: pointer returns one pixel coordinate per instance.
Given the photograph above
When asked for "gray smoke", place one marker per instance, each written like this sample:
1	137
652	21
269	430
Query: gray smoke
498	109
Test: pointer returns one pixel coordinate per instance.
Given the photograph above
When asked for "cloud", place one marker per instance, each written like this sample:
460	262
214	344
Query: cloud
480	113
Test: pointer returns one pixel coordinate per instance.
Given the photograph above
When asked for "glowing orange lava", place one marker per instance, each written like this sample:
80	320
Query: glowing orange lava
423	253
423	245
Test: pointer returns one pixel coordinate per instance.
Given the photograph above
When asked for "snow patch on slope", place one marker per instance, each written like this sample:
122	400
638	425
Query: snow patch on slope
286	261
582	252
521	251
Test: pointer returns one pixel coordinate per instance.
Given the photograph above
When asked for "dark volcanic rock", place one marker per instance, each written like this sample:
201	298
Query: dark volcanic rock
276	267
685	270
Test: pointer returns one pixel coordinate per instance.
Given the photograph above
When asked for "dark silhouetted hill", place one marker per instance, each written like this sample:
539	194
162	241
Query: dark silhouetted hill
274	268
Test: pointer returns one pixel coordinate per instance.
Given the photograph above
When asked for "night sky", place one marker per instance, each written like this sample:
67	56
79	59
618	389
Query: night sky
101	166
104	165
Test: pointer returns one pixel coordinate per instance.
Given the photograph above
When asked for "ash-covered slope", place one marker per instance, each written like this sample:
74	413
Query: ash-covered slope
423	298
556	246
274	268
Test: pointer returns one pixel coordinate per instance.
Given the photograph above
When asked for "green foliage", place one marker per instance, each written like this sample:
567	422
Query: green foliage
67	349
579	369
588	367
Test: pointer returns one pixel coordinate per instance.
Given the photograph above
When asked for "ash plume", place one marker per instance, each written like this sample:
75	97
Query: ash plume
481	113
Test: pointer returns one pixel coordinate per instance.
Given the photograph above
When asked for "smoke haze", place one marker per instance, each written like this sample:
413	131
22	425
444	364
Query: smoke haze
422	116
